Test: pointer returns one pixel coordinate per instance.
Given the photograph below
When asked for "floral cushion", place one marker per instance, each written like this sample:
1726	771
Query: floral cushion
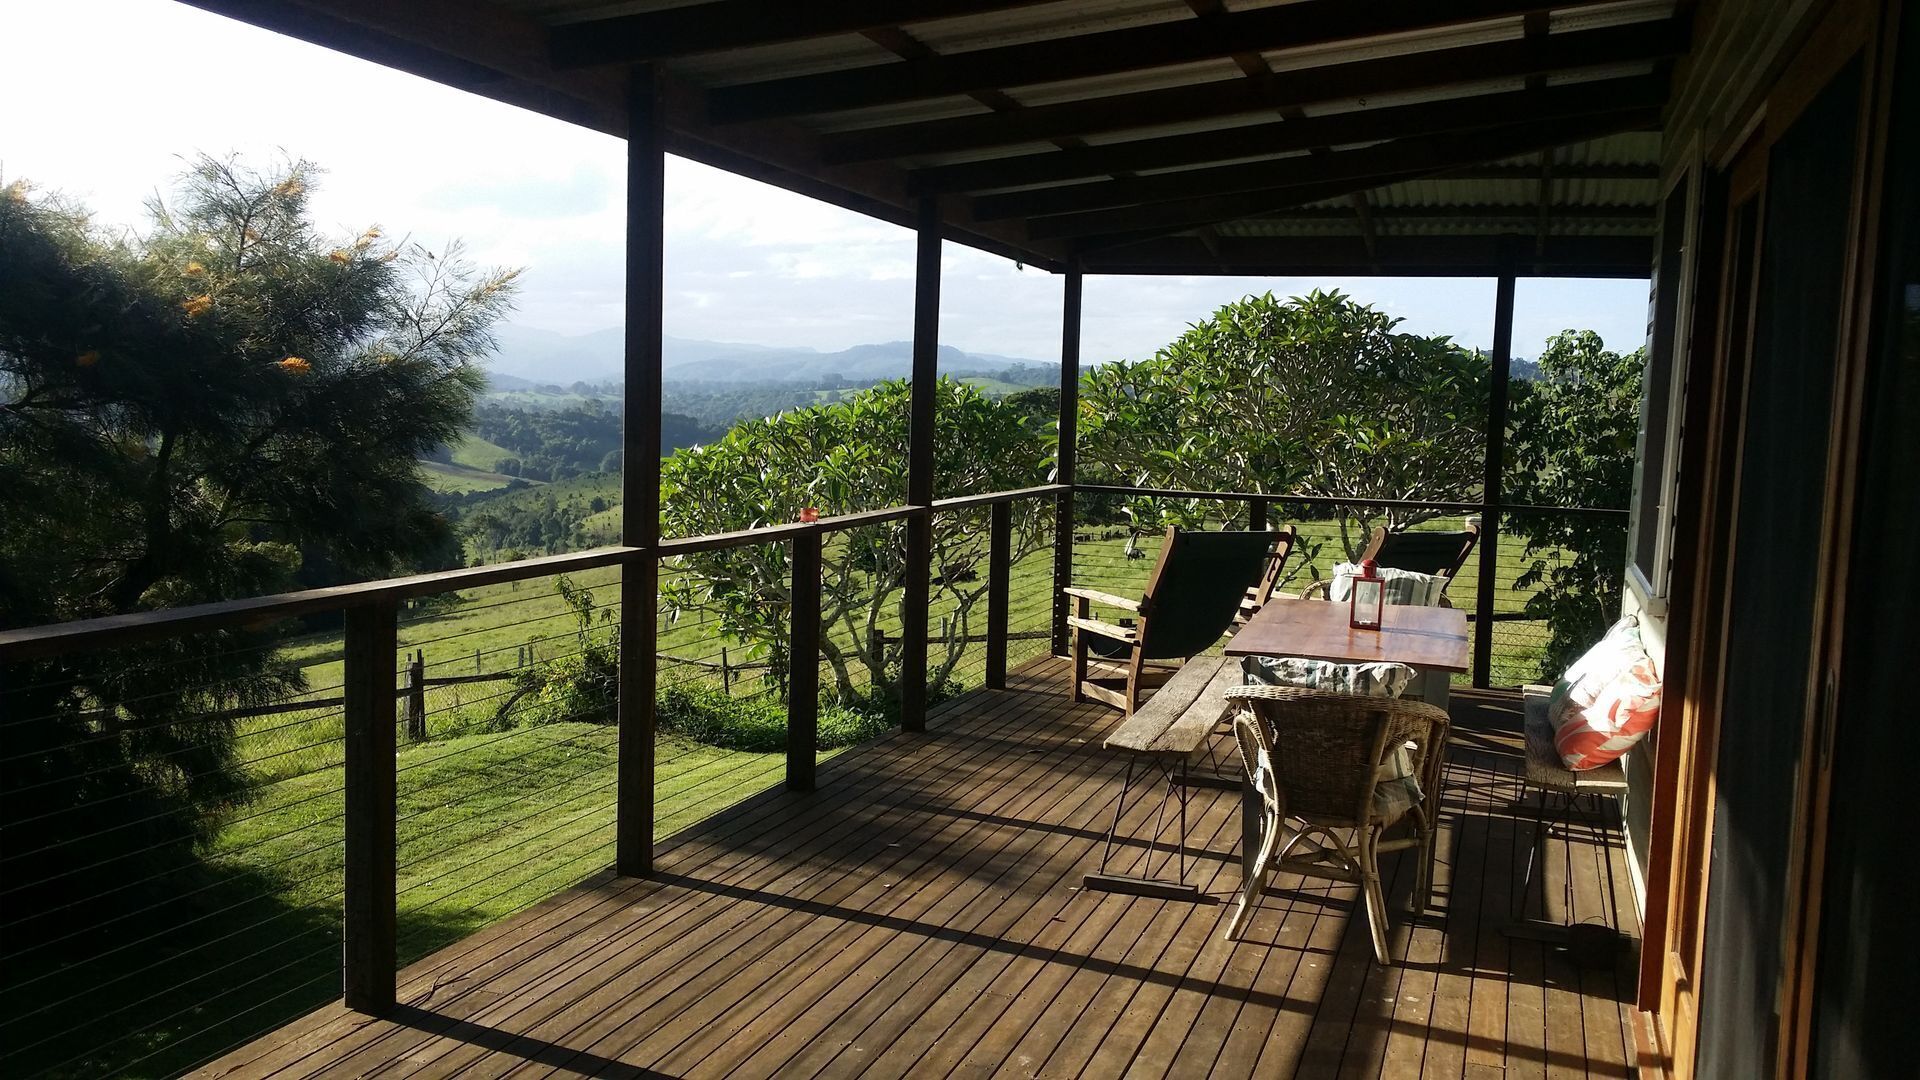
1607	701
1400	586
1396	788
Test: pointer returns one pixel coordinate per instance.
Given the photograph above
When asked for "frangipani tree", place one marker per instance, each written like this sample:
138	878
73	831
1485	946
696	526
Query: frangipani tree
1314	395
842	458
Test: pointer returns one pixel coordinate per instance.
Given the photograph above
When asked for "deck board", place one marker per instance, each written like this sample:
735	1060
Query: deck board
922	915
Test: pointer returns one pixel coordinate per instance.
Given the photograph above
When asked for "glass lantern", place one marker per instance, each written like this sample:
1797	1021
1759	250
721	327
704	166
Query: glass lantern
1368	596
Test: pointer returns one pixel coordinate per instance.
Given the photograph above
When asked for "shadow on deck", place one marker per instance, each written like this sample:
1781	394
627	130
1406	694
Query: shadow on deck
921	915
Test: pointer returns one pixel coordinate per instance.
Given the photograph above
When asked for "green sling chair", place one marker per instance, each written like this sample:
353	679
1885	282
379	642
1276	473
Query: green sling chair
1193	596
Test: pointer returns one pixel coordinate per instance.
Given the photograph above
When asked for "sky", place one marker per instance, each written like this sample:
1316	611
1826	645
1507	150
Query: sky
108	99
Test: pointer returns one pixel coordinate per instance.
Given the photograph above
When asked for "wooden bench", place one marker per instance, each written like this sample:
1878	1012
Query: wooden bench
1591	944
1159	739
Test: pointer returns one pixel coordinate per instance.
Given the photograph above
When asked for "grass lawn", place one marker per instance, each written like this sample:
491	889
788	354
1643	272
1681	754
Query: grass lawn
488	824
460	480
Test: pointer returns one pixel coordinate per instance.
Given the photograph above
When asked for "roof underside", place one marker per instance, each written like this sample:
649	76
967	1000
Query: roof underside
1136	136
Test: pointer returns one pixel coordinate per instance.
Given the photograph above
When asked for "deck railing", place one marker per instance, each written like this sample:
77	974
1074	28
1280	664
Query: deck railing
420	785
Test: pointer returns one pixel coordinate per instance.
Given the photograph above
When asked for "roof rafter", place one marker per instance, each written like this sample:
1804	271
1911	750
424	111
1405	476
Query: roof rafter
1284	136
1470	256
1169	207
1603	47
1424	153
1133	48
743	24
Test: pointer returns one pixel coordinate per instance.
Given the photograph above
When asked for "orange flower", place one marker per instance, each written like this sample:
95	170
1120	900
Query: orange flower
294	365
196	306
88	358
193	269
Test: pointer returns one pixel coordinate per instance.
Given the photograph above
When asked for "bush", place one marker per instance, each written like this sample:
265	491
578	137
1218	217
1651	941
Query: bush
708	714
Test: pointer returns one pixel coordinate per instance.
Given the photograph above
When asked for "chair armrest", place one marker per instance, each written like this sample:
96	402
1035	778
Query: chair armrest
1099	597
1104	629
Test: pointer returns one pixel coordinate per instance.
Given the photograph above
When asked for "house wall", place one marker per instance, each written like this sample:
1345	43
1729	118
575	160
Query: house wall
1739	49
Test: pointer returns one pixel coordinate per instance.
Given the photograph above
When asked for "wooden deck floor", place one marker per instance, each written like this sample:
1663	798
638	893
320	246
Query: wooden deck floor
920	915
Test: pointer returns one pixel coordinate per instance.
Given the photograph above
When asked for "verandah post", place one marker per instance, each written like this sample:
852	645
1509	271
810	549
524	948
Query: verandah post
803	662
920	427
999	573
1490	488
369	930
640	472
1066	451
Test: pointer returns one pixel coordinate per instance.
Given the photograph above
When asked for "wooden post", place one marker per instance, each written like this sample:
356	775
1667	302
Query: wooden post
920	428
1256	513
1066	452
417	697
1491	484
726	672
999	573
640	471
803	663
476	662
368	951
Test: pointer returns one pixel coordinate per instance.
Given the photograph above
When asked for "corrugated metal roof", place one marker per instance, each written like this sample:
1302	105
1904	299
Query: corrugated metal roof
893	115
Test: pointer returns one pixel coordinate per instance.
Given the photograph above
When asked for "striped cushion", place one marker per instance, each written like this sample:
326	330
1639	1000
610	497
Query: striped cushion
1607	701
1400	586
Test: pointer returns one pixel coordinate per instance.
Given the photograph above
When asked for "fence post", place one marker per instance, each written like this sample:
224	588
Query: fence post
999	570
803	663
726	672
1491	494
417	697
367	958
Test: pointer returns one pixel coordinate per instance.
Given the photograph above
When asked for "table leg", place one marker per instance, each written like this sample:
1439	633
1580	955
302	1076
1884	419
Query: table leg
1433	688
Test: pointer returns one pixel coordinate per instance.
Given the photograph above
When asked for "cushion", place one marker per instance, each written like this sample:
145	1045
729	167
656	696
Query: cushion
1607	701
1396	788
1360	680
1400	586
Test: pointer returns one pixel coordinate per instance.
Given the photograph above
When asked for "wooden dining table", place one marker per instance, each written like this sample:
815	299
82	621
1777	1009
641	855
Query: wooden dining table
1432	641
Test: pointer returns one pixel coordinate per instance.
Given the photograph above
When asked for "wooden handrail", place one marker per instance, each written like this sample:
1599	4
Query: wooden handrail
1336	501
111	631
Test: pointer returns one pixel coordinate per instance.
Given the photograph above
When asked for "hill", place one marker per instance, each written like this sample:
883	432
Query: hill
529	359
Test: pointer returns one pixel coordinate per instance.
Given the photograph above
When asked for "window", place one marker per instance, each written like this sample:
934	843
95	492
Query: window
1652	523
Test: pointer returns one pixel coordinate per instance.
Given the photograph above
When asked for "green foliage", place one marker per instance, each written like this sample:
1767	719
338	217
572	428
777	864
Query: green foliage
226	405
1570	442
1315	395
557	444
840	458
582	686
708	714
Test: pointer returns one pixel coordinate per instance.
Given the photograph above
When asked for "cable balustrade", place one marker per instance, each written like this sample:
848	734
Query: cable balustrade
469	754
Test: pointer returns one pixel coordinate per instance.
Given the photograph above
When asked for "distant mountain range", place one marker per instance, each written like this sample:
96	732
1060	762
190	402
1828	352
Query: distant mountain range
529	357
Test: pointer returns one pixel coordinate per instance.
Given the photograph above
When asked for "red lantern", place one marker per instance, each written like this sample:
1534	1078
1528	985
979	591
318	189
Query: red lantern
809	514
1368	596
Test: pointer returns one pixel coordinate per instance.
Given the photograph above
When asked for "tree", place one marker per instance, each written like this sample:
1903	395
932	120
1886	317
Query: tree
841	458
1570	442
193	414
1315	395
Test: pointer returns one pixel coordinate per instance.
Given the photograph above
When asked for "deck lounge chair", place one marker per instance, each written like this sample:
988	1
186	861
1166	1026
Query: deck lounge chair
1193	596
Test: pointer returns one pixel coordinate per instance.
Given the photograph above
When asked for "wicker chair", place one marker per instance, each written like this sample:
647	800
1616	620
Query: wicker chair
1314	758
